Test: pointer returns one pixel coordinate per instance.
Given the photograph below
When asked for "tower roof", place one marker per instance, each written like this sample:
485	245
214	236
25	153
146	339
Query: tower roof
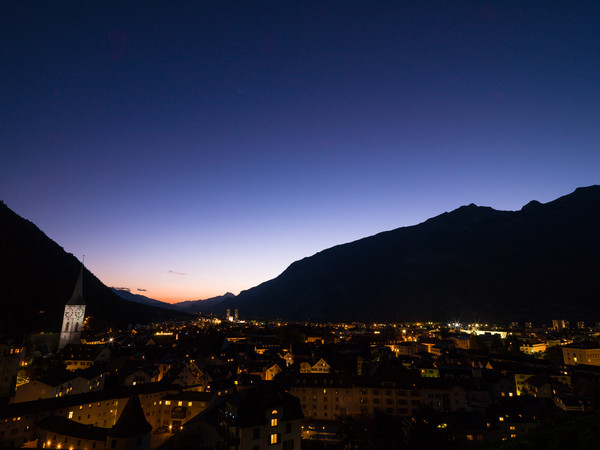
132	421
77	297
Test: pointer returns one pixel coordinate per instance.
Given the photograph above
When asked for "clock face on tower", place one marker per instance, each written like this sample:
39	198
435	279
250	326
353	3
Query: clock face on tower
68	313
78	313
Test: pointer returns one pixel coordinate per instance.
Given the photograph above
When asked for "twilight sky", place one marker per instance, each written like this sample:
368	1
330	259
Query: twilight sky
193	148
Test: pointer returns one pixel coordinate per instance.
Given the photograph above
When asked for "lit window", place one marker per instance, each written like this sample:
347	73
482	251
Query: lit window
274	412
70	414
273	422
167	402
273	439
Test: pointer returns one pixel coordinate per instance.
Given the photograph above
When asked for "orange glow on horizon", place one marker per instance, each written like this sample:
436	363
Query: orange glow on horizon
168	297
169	293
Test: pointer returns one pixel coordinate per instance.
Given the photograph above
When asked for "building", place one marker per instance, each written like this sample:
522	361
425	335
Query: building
533	348
177	408
258	418
84	356
74	315
59	384
10	358
130	432
100	409
560	324
581	355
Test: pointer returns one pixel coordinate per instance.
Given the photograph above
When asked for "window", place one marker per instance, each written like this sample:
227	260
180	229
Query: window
256	433
273	422
288	427
288	445
274	439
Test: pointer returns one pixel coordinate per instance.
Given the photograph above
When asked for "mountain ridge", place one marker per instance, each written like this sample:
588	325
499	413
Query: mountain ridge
187	306
474	262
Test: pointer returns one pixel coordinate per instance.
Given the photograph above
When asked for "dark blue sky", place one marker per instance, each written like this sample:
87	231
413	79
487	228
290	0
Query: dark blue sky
224	140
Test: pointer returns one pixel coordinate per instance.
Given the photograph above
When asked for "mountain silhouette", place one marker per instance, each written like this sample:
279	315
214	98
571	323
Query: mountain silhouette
474	263
187	306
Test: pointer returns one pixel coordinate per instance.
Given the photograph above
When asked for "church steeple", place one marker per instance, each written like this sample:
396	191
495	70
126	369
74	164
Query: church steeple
70	332
77	297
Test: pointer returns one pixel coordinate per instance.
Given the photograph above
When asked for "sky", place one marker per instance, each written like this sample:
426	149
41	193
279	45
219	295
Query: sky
192	148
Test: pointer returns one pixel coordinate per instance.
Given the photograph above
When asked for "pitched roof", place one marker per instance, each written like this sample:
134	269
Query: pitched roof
77	297
58	377
66	427
251	405
57	403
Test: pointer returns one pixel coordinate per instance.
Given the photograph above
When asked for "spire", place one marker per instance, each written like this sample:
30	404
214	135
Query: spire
77	297
132	421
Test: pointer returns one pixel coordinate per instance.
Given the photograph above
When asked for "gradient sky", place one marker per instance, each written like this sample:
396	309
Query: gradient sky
194	148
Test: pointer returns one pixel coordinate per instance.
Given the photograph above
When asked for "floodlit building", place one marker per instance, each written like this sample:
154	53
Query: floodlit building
581	355
74	315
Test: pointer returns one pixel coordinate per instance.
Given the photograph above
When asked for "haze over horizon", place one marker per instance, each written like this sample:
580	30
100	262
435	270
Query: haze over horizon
194	148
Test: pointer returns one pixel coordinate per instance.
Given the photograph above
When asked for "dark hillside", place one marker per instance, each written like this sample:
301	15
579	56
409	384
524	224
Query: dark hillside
37	278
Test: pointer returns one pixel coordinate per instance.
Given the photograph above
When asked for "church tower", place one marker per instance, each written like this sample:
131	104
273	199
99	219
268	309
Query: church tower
74	314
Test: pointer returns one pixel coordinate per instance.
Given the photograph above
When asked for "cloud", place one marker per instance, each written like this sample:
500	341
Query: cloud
119	288
142	290
176	273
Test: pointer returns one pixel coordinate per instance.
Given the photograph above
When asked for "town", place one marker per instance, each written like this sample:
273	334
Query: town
227	383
